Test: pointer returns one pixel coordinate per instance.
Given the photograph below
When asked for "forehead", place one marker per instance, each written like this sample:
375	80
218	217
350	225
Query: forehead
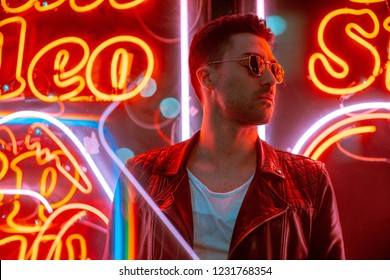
247	43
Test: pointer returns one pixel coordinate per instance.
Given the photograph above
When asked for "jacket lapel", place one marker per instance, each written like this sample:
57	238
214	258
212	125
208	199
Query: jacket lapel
264	198
172	167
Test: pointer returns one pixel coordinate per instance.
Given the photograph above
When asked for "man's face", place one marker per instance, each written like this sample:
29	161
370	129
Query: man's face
240	96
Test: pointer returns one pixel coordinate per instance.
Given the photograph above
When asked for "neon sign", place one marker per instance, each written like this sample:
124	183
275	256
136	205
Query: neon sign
341	68
74	64
41	211
340	124
45	6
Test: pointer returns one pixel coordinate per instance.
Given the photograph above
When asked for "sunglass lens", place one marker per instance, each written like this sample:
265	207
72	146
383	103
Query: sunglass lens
278	72
256	64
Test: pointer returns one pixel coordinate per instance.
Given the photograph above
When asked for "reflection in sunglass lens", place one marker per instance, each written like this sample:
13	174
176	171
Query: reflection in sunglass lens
277	70
256	64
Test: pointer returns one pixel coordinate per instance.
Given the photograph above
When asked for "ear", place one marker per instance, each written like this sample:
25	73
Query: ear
205	77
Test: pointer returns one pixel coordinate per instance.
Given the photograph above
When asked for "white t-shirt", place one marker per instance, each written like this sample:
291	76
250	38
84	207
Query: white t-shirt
214	216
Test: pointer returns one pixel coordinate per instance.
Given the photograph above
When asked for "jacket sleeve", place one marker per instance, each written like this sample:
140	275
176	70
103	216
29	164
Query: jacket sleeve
326	239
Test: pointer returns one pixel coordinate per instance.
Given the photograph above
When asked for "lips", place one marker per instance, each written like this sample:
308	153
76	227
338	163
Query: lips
267	97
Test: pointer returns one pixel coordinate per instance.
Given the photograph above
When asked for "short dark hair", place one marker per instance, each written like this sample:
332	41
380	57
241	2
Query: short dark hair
212	39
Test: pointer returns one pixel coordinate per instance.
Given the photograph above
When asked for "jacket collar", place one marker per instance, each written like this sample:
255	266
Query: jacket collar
177	156
268	160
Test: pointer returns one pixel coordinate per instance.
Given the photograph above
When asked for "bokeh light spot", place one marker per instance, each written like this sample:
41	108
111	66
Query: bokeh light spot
277	24
124	154
150	88
170	107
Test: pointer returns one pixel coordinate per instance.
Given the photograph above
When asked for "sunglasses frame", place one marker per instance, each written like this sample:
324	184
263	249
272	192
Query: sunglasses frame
261	64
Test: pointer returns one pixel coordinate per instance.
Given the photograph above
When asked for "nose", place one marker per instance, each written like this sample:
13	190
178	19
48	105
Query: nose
267	78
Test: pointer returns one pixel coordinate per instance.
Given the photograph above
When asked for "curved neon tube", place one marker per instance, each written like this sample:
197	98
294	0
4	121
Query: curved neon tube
71	135
137	185
324	120
341	123
31	193
335	138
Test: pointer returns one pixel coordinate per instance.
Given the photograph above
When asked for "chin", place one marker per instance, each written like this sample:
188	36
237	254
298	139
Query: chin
266	119
261	122
258	119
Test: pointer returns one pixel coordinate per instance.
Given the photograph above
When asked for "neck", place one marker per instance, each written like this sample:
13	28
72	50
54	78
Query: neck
223	159
221	145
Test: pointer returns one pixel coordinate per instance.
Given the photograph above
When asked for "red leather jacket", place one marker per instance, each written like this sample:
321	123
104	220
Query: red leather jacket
289	211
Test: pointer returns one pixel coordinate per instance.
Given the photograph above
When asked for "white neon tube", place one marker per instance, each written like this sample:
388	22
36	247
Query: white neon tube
125	171
31	193
185	85
323	121
261	13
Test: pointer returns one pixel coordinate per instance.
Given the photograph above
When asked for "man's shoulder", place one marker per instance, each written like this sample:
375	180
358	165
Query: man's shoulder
298	162
305	177
297	159
154	156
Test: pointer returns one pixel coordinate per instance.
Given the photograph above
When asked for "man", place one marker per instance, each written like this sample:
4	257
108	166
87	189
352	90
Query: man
229	194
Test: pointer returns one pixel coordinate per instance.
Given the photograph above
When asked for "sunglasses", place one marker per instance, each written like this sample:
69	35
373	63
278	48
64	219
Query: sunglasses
257	66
